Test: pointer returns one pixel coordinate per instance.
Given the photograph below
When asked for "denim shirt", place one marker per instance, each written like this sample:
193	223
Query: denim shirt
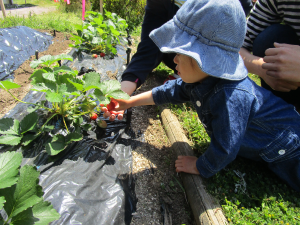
241	118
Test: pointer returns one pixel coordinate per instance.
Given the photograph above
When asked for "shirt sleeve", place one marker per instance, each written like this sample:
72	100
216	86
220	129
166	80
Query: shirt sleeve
231	111
263	14
173	91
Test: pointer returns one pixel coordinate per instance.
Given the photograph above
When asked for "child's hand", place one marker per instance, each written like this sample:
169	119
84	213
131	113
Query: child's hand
186	164
115	108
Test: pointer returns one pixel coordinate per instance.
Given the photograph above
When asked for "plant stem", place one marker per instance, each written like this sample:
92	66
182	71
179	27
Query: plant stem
47	122
30	103
65	124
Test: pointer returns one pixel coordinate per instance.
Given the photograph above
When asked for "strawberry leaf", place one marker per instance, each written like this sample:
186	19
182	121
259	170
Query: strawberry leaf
63	69
28	138
49	76
2	201
40	214
29	122
9	139
46	60
92	80
24	194
77	85
110	86
7	84
57	145
118	94
73	137
9	126
54	97
9	168
99	95
63	57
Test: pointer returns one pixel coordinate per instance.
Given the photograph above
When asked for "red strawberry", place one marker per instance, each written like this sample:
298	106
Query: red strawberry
94	56
101	105
102	54
112	105
94	116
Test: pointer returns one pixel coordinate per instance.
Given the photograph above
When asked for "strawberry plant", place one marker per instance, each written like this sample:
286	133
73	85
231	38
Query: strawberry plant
21	197
73	101
99	34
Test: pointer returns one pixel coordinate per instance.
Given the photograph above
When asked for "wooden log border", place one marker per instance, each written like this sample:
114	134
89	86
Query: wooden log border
205	208
3	8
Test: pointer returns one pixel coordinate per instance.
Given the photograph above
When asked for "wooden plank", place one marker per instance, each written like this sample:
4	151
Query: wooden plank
101	7
3	8
205	208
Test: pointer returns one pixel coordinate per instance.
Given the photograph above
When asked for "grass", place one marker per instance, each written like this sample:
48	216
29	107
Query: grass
60	21
248	191
63	22
42	3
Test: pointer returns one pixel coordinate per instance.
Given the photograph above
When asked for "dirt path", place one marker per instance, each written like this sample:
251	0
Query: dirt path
20	12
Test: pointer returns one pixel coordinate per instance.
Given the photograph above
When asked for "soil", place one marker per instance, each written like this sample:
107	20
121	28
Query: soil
158	188
60	45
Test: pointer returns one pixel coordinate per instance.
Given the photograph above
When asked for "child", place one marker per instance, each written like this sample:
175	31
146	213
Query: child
240	117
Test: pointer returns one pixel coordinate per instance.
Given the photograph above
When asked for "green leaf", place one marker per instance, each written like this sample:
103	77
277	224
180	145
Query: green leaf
77	85
45	212
37	76
86	126
40	87
40	214
9	126
9	168
73	137
29	122
24	194
119	94
49	76
63	69
63	89
111	86
28	138
63	57
54	97
48	128
9	139
44	60
101	98
7	85
57	145
2	201
92	80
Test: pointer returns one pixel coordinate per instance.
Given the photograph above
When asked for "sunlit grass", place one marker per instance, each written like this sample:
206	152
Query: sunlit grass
59	21
42	3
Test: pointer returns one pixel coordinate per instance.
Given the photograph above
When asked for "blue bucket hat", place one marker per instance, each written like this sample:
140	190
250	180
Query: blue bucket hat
210	31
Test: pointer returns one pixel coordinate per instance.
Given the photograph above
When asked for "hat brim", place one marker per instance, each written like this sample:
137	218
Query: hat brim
211	59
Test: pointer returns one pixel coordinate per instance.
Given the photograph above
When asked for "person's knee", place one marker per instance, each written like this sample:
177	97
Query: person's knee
275	33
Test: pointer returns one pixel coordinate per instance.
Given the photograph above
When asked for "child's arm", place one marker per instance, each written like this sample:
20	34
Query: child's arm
145	98
186	164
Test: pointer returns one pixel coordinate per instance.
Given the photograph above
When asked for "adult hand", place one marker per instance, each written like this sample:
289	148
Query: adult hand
186	164
282	65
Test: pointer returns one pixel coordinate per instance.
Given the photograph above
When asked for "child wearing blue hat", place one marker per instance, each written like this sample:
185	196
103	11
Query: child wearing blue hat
240	117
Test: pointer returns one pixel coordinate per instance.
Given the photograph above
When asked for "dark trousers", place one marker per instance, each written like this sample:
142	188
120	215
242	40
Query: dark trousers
148	55
281	34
